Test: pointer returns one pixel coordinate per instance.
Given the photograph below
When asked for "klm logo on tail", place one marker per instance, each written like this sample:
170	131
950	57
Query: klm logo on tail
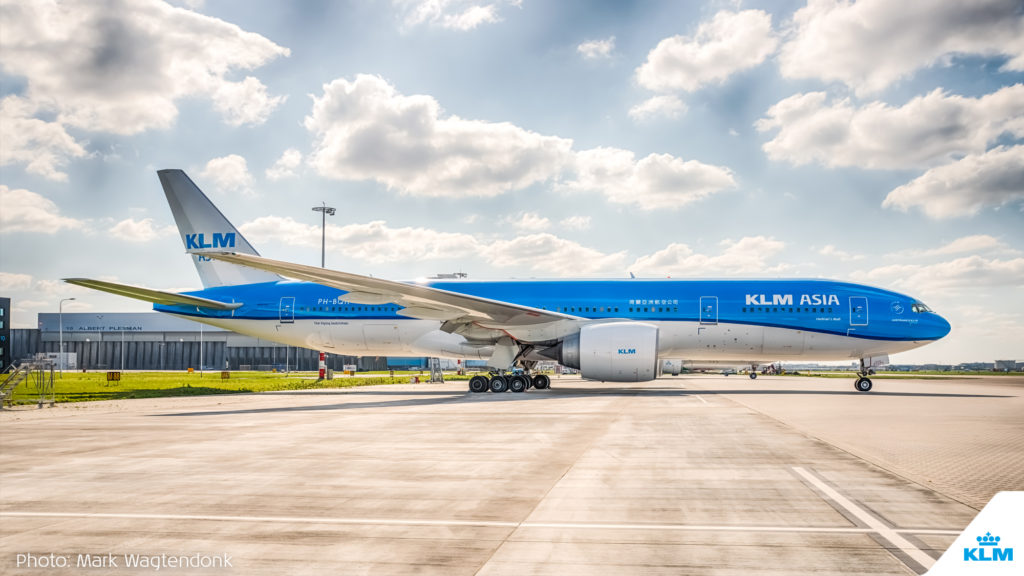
197	241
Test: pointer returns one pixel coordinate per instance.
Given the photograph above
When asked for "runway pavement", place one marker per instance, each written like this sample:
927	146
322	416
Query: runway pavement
685	475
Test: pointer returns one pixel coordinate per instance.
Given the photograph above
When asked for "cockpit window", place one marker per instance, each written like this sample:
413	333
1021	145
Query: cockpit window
920	307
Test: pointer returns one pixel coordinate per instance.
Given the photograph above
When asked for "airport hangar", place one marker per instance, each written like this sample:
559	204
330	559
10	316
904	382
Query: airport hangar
154	341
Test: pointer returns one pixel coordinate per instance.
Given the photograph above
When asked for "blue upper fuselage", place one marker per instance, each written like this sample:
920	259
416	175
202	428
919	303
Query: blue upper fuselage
813	305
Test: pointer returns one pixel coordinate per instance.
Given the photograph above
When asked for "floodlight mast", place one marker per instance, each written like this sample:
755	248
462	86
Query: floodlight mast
325	211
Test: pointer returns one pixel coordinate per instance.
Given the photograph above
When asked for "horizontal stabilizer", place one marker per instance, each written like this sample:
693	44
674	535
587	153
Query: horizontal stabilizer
154	296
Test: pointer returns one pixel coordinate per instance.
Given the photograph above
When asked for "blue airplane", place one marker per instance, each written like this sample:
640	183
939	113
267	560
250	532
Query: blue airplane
615	330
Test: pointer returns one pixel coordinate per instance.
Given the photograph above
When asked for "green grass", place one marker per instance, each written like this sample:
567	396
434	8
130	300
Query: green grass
84	387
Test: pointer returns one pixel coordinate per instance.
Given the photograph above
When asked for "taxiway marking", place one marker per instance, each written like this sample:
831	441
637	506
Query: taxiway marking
890	534
483	523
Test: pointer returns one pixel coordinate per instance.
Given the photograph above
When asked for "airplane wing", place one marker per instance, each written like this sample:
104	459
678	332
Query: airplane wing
150	295
419	301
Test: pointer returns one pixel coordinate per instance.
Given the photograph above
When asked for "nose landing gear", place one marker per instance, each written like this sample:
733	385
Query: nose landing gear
863	383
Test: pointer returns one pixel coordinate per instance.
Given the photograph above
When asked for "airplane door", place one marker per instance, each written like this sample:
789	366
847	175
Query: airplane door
858	311
709	309
286	314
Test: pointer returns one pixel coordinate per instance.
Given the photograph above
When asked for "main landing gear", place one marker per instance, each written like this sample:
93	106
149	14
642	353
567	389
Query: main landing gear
863	383
516	382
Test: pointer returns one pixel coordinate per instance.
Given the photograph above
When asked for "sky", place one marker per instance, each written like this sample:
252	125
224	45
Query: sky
876	142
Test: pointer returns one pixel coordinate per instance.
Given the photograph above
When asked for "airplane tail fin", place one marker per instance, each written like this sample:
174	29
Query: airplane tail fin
202	226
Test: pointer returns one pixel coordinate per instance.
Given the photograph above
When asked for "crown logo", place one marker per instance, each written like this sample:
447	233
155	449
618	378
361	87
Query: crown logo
988	540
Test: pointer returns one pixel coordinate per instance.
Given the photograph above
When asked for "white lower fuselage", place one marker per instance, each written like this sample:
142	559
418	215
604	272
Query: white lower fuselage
682	340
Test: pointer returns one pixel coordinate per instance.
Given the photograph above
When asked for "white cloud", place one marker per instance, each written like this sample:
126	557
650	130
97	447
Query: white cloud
285	165
10	281
575	222
666	105
831	251
43	147
143	230
25	211
372	241
451	14
926	131
529	221
869	44
245	102
728	43
597	49
366	130
229	173
552	255
968	272
376	242
975	244
657	181
120	67
991	179
746	256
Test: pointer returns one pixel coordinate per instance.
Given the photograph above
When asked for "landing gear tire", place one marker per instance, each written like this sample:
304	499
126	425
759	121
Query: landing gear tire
541	382
862	384
499	384
753	375
478	384
518	384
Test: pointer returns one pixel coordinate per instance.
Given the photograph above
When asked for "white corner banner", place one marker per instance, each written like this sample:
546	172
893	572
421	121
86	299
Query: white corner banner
992	544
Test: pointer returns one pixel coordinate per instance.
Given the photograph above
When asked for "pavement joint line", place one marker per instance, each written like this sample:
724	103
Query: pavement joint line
479	523
890	534
702	399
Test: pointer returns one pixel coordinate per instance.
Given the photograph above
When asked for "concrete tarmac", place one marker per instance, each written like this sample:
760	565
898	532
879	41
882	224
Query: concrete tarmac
694	474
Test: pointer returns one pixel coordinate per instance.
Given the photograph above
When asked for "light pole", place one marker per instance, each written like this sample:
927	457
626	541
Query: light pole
325	211
60	318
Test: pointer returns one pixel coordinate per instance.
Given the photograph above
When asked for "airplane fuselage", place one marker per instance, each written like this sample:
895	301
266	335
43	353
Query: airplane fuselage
740	320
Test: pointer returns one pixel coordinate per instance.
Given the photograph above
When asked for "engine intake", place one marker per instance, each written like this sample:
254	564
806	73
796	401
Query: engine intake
612	352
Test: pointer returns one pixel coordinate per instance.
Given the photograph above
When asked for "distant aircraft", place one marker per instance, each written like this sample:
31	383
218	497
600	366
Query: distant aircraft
610	330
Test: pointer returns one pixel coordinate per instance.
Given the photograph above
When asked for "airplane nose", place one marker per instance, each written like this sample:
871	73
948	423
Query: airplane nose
942	327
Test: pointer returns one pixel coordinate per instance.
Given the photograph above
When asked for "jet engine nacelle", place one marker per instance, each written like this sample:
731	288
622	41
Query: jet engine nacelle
613	352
